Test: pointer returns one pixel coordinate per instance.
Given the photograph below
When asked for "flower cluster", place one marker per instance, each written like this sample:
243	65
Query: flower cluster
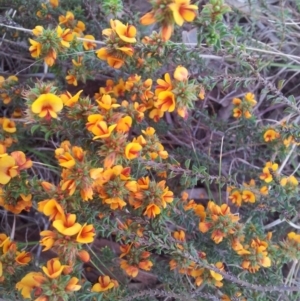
67	235
77	173
173	94
291	246
243	107
136	259
249	193
269	171
151	197
219	219
49	43
9	90
119	44
255	255
11	259
199	274
69	21
54	282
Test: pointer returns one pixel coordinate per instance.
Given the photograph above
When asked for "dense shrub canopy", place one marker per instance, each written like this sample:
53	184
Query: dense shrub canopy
148	150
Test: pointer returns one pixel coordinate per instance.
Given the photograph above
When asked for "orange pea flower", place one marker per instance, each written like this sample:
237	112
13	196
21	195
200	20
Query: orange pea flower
72	285
124	124
181	74
271	135
66	36
71	79
35	48
93	120
183	11
86	234
130	270
148	19
29	282
52	209
248	196
47	106
68	226
48	239
165	101
132	150
66	19
8	169
23	258
66	160
236	198
54	268
69	100
164	84
126	33
21	161
50	58
104	284
54	3
102	131
145	265
8	125
152	210
84	256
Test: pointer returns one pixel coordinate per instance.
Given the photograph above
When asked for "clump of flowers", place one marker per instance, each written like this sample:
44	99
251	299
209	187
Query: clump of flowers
114	186
49	43
53	282
219	219
11	259
243	107
67	236
77	174
135	259
247	194
69	21
151	197
119	44
10	89
291	246
171	94
255	255
268	172
200	275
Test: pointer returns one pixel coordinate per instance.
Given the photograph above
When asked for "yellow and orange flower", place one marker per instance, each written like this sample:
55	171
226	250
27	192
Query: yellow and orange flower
132	150
67	226
165	101
47	106
104	284
53	269
86	234
271	135
183	11
8	169
30	282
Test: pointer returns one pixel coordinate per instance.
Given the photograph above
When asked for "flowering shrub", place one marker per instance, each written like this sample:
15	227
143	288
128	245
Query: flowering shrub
133	167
